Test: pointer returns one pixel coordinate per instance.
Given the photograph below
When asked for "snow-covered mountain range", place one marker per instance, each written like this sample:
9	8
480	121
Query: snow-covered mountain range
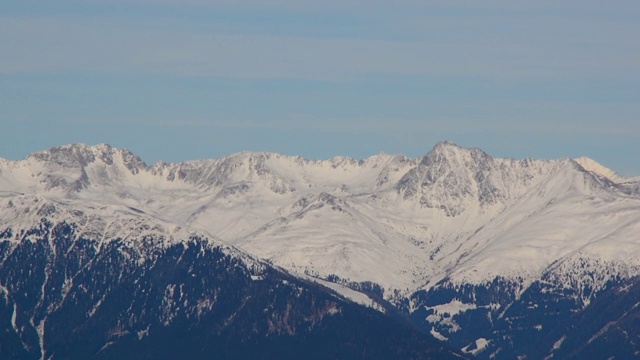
388	225
401	223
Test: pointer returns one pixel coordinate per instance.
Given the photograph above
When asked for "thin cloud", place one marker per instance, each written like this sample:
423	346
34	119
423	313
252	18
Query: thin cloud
37	45
385	125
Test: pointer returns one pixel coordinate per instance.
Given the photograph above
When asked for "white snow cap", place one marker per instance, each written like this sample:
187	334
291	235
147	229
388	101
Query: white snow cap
454	213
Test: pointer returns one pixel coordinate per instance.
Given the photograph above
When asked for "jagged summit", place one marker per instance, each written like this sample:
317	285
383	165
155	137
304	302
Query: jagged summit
81	155
447	144
595	167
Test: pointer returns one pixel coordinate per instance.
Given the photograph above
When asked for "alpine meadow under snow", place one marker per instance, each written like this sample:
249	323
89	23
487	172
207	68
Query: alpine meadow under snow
438	241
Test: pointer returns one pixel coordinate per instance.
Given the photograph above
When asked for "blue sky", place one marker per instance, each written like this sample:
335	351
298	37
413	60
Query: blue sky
175	80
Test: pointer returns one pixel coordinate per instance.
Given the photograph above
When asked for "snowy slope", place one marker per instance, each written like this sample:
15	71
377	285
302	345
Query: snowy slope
402	223
102	224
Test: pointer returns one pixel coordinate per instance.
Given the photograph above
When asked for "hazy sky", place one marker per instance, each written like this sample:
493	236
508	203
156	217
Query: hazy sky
186	79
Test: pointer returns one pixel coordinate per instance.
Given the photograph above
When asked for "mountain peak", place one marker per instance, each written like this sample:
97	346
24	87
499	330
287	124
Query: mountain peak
444	147
449	152
74	155
79	155
446	143
596	168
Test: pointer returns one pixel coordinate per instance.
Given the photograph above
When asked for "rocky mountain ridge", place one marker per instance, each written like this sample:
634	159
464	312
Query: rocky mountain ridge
454	232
